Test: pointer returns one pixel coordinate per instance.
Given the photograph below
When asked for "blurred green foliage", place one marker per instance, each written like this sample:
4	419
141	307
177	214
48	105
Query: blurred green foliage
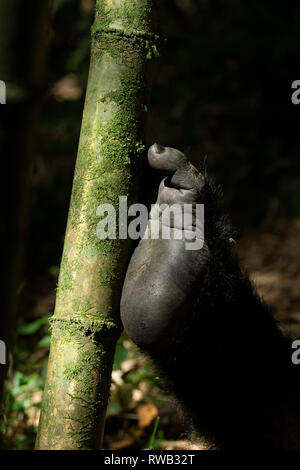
23	389
155	438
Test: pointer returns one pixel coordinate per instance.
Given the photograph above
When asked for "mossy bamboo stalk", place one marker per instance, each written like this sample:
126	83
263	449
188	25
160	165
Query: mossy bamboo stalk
86	323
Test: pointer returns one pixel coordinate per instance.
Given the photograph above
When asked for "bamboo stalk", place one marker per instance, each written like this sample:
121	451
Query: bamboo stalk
86	322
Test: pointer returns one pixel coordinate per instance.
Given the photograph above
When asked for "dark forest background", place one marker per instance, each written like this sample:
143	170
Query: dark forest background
222	89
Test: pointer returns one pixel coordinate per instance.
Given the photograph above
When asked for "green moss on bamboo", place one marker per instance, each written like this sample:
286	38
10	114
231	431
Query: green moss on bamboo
101	330
82	371
86	323
121	146
132	14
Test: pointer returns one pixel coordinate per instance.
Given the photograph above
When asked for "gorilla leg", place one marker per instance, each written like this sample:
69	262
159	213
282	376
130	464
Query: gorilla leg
163	275
197	316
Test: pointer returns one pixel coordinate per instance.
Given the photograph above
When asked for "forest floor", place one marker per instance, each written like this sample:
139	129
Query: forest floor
272	259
